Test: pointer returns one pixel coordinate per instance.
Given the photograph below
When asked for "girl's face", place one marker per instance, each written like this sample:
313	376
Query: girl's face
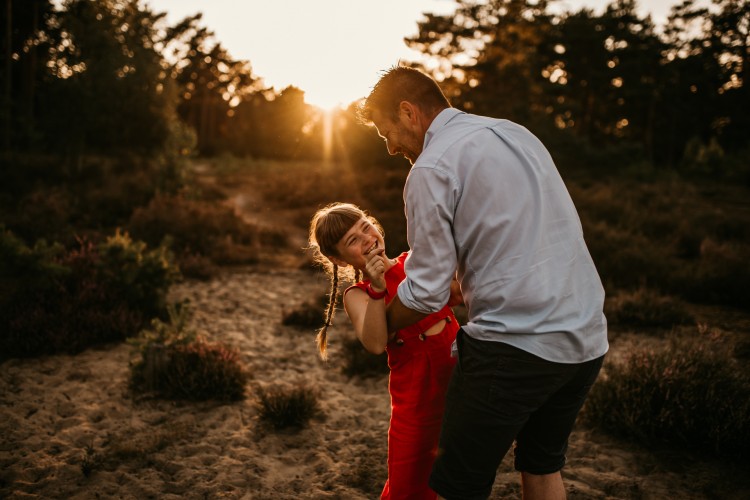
354	247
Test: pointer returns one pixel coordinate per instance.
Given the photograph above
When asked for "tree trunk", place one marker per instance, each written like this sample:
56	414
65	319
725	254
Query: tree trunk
29	73
6	111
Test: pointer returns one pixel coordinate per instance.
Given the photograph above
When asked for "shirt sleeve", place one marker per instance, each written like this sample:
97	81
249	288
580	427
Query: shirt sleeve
430	197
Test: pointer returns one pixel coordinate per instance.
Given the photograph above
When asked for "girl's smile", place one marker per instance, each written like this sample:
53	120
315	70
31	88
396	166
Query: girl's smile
358	243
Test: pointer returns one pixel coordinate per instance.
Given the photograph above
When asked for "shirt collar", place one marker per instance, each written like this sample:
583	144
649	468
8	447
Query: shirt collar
440	120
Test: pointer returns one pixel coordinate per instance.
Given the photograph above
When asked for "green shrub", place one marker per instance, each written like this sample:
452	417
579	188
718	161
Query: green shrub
176	363
691	393
23	268
142	276
31	292
65	301
283	406
646	308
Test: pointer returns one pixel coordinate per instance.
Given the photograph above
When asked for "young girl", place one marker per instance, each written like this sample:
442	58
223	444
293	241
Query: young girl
350	243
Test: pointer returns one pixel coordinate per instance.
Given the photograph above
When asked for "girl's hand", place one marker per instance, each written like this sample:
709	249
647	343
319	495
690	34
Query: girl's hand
456	297
376	269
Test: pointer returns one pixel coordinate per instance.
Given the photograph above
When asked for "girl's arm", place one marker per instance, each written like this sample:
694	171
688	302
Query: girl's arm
368	314
368	318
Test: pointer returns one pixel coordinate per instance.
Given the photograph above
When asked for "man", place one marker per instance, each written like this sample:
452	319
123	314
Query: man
485	203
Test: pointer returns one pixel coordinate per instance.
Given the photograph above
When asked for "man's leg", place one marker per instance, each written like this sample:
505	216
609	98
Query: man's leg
477	432
542	487
535	487
543	442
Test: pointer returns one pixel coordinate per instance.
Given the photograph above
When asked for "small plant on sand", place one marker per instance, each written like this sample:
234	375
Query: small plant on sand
307	315
89	460
358	362
284	406
175	362
690	393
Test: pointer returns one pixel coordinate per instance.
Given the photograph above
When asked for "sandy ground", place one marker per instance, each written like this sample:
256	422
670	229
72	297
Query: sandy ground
70	428
62	414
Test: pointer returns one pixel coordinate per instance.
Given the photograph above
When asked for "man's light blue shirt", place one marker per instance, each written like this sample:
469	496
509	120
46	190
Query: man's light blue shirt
485	203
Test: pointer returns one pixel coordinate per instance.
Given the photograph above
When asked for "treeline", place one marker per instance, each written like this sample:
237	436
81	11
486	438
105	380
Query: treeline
674	94
111	75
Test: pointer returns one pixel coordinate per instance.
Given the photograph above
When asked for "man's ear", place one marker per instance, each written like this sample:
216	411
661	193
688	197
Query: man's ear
408	111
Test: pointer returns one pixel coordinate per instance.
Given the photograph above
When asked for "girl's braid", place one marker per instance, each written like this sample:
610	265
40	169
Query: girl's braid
332	296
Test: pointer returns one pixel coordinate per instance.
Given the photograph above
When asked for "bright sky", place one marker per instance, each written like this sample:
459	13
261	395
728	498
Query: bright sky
334	50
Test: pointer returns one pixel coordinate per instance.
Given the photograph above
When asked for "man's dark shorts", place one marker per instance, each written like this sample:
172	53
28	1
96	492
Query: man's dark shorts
498	394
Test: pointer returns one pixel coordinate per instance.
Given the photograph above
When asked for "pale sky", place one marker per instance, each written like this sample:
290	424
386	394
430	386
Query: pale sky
334	50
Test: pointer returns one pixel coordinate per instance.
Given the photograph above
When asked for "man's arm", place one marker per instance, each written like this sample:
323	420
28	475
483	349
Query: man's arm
399	316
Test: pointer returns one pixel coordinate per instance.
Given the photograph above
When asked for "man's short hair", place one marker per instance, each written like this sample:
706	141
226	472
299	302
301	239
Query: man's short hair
402	83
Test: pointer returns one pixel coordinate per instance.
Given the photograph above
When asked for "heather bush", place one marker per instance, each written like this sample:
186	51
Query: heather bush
646	308
197	266
625	260
690	393
291	184
720	275
31	286
284	406
44	213
142	276
92	195
198	230
57	300
686	239
173	361
111	201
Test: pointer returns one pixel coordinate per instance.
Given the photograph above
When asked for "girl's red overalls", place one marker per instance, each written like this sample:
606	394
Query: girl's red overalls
421	367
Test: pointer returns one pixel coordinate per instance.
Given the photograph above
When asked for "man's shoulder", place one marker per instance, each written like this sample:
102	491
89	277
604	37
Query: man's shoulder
453	135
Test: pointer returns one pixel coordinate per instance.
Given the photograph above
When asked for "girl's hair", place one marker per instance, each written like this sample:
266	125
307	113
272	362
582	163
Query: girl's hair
327	227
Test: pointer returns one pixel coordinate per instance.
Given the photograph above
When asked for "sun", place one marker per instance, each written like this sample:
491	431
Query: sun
326	102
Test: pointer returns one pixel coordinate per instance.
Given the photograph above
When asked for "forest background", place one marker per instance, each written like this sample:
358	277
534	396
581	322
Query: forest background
132	148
